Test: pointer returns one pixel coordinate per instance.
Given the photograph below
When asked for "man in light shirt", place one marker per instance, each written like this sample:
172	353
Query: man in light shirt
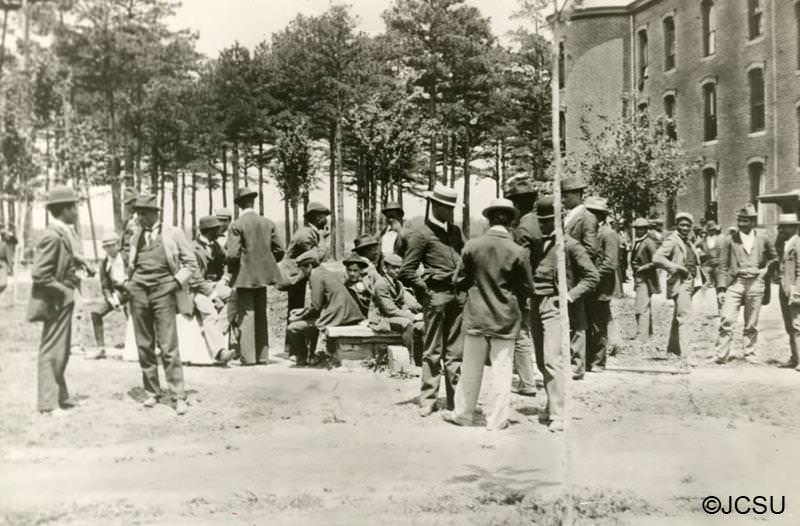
113	275
392	239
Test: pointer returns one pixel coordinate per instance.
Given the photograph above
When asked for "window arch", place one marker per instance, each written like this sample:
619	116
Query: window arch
755	12
669	43
709	111
710	192
755	81
755	173
709	16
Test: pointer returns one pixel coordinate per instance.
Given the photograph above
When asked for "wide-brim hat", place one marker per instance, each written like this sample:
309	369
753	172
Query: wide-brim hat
788	219
129	196
500	205
393	259
146	202
545	208
748	210
308	257
62	195
317	208
641	222
355	259
443	194
392	207
110	239
684	215
244	193
573	183
364	242
596	204
225	213
208	222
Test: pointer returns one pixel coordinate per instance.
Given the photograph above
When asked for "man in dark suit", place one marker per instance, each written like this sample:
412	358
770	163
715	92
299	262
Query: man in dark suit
113	275
645	277
160	267
52	298
437	246
253	252
312	236
788	248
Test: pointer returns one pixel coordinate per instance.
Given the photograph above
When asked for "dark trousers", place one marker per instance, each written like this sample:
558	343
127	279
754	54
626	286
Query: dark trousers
251	322
412	332
301	339
577	332
153	310
97	322
598	315
443	346
53	358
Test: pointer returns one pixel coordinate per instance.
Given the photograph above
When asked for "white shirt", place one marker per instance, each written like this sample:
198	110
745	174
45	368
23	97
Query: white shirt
711	241
246	211
116	269
388	241
438	223
748	240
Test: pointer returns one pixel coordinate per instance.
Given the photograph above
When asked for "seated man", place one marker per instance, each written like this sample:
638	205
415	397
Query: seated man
331	306
355	266
395	309
115	297
369	248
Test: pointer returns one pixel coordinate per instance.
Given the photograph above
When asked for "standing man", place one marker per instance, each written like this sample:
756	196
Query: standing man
6	260
312	236
113	275
710	249
52	298
582	278
437	245
392	238
496	274
253	252
744	262
581	225
161	264
598	302
224	216
521	192
677	256
645	278
789	292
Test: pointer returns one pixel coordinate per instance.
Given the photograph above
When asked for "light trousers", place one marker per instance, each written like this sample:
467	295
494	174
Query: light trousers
476	350
212	323
546	330
791	322
523	353
747	293
679	330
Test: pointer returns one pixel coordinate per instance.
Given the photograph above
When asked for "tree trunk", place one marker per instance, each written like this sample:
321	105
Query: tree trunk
399	186
432	163
261	177
453	159
194	204
224	176
175	199
498	170
154	169
183	200
91	215
295	218
48	165
235	176
360	195
340	220
465	217
163	187
445	150
287	225
210	194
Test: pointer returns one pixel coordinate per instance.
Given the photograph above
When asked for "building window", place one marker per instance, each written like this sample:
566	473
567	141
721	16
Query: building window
797	30
709	111
755	171
754	17
669	43
669	112
755	78
710	193
562	125
562	70
643	58
709	12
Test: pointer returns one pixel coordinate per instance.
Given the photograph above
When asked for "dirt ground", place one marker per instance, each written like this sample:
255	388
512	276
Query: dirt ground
280	445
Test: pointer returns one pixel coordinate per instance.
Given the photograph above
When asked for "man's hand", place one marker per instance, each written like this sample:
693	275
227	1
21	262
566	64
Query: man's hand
113	300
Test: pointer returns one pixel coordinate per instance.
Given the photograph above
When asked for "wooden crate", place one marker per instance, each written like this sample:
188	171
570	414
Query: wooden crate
358	343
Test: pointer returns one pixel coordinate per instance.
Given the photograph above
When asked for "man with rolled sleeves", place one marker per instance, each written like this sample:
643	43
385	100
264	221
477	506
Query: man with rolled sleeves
113	275
582	278
744	263
312	236
161	265
645	278
253	252
788	248
598	302
581	225
678	258
52	298
437	245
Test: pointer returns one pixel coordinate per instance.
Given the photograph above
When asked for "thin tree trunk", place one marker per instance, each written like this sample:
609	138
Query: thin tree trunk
445	149
261	177
295	216
210	194
340	220
183	200
175	199
91	215
287	224
224	176
465	217
235	175
498	170
154	169
360	195
332	190
453	159
194	204
48	164
162	188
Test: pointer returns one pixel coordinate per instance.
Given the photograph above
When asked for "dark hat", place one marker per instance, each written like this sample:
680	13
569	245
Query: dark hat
244	193
641	222
684	215
110	239
544	208
443	194
393	259
129	196
711	226
597	204
223	213
364	242
145	201
62	195
498	205
393	207
571	183
308	257
518	187
748	210
354	258
208	222
317	208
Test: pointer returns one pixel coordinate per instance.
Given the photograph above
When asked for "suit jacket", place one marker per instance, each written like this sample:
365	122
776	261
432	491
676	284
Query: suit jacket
180	259
107	286
606	260
789	270
331	302
583	228
438	251
200	283
305	239
582	275
53	275
390	300
734	259
527	230
673	251
496	274
644	270
253	251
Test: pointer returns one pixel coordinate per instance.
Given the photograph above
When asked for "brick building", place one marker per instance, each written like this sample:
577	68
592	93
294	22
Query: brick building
726	71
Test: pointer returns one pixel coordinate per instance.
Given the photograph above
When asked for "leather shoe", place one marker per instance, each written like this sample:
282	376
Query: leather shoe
225	355
791	364
427	410
181	407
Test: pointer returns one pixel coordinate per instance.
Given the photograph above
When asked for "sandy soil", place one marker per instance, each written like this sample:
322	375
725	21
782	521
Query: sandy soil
281	445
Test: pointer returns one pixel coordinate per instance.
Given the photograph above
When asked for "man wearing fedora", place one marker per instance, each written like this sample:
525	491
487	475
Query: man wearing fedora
598	302
582	278
710	248
355	266
788	248
581	225
253	252
678	258
437	245
369	248
160	266
495	272
52	301
113	275
392	239
312	236
645	278
745	260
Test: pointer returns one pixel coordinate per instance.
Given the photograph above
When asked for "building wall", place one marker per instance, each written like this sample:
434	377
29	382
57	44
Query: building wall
735	146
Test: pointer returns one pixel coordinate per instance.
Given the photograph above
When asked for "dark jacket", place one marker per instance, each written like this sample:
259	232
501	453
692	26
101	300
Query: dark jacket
305	239
438	251
582	276
53	276
331	303
734	261
606	259
790	269
107	286
527	230
675	251
391	300
583	229
200	282
496	274
644	270
253	252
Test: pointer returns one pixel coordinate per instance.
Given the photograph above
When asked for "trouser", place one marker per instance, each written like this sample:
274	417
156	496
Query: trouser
546	331
296	296
443	343
747	292
251	321
53	358
577	332
211	323
97	322
153	310
679	330
644	312
412	332
300	336
523	353
476	350
791	322
614	334
599	314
